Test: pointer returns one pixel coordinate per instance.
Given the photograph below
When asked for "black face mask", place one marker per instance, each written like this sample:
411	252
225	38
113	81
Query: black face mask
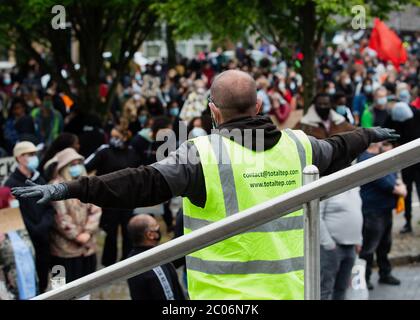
323	113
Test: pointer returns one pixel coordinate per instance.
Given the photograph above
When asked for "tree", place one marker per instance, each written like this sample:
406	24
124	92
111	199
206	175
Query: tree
282	23
97	25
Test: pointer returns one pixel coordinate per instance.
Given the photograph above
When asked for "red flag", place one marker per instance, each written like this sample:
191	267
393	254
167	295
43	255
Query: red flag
387	44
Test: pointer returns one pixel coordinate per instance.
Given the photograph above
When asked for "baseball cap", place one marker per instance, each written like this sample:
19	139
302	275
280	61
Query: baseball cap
24	147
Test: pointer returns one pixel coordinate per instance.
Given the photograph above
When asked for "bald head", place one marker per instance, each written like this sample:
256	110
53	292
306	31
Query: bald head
234	92
138	226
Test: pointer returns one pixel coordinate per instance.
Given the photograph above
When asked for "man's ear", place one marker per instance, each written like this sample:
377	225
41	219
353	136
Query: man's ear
149	235
19	159
258	105
216	112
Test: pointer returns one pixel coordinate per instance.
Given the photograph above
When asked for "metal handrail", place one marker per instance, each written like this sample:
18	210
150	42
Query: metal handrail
328	186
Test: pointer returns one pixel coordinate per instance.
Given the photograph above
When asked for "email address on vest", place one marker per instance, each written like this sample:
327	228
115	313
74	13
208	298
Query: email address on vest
266	173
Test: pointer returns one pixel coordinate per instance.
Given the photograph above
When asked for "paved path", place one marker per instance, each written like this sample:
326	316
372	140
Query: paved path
406	245
408	290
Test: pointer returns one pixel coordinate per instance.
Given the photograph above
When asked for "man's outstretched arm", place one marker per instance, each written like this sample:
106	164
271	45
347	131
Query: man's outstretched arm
130	187
127	188
338	151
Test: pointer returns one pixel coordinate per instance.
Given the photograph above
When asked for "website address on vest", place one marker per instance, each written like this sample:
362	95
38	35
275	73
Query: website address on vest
267	173
275	183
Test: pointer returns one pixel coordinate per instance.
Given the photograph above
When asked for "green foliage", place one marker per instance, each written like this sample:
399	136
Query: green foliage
275	20
221	18
98	26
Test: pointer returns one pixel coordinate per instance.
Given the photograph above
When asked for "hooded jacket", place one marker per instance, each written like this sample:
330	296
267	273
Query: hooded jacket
182	175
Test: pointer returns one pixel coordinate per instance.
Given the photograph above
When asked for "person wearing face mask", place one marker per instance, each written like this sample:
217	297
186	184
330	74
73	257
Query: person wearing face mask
376	115
160	283
379	198
403	93
141	120
190	173
145	142
173	114
195	104
405	120
341	108
73	242
108	158
362	99
48	121
345	86
321	120
38	218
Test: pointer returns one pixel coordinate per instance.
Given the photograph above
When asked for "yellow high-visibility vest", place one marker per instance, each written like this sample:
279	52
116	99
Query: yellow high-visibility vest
265	262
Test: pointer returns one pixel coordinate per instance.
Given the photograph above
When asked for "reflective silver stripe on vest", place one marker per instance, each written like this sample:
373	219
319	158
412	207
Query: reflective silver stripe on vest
300	147
225	173
164	283
248	267
281	224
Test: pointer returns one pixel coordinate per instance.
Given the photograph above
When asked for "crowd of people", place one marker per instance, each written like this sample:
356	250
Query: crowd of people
52	139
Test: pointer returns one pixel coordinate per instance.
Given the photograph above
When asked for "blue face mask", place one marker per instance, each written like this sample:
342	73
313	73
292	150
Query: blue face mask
382	101
33	163
368	88
341	110
174	112
75	170
142	120
405	96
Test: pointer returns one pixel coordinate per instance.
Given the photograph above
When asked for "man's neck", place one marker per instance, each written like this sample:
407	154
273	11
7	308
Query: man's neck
25	171
237	117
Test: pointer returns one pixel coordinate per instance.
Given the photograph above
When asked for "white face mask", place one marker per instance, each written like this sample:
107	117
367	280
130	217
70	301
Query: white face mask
331	91
381	101
368	88
282	86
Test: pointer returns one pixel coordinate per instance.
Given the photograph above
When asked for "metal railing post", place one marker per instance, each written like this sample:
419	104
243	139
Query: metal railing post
312	271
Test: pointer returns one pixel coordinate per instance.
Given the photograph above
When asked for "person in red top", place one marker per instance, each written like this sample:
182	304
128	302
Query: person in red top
416	102
5	197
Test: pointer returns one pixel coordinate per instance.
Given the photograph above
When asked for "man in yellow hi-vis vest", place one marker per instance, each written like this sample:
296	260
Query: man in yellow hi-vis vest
245	162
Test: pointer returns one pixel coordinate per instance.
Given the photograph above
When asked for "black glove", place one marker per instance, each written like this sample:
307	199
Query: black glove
46	192
380	134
